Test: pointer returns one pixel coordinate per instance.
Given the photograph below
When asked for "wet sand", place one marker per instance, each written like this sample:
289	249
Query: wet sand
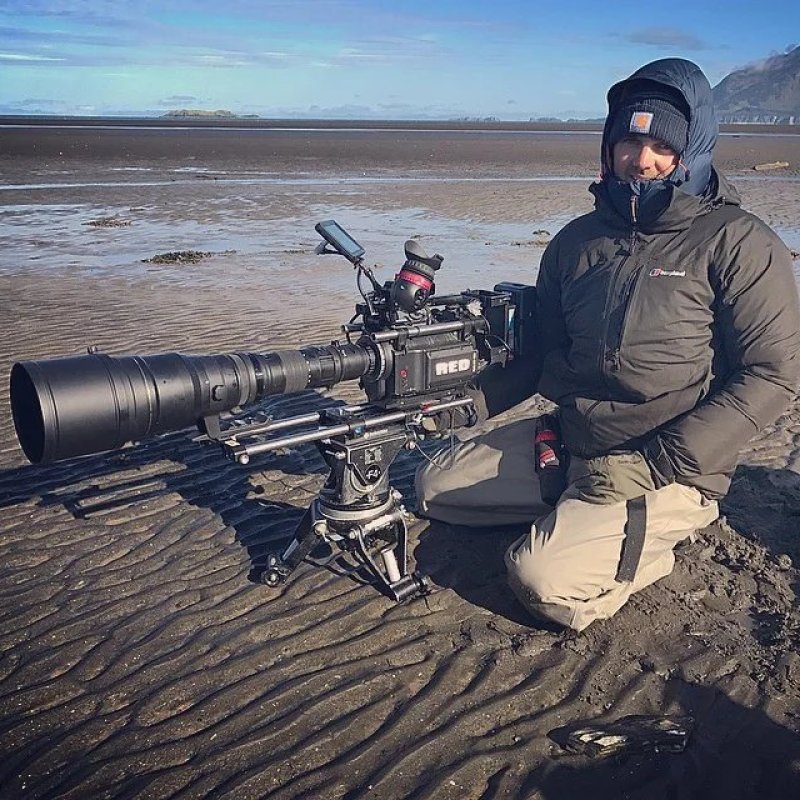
140	660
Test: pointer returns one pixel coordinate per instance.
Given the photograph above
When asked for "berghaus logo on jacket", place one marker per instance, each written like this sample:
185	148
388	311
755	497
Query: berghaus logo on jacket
659	272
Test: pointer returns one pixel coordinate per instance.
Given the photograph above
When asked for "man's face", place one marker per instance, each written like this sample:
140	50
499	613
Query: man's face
641	158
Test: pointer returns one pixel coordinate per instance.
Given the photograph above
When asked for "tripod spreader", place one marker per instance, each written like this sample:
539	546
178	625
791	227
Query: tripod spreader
384	535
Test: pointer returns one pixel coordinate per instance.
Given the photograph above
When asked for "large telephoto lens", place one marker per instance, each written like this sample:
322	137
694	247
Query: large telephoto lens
68	407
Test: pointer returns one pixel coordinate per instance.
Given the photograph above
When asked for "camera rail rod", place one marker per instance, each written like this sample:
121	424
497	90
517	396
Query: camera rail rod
412	332
242	453
428	330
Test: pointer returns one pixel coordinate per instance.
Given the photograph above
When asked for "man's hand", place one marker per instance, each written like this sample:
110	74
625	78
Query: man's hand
437	425
657	459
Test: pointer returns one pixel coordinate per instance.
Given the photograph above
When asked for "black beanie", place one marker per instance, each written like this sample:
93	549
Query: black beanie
650	111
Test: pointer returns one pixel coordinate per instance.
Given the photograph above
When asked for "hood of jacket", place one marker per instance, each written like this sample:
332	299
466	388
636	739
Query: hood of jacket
694	174
676	211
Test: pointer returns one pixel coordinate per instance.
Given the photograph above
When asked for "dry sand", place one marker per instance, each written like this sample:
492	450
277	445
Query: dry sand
137	657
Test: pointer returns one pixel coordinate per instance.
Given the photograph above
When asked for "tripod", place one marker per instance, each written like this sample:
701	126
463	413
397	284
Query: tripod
356	510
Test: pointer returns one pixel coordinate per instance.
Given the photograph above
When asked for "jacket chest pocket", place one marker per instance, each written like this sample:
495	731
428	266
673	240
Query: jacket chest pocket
660	337
663	301
618	317
584	305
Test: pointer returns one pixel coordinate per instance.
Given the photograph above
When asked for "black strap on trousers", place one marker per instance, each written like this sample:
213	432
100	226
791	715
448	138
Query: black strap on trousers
633	544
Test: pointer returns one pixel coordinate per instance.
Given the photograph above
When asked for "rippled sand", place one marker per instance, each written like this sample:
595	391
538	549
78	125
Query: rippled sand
137	657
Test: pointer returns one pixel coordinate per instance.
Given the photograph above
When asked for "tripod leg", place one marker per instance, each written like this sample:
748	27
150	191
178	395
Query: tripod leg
279	567
401	585
391	565
395	582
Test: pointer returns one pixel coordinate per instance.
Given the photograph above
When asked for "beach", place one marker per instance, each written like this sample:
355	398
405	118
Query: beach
137	656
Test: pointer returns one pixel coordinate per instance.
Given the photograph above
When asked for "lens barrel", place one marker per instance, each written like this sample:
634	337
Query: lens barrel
74	406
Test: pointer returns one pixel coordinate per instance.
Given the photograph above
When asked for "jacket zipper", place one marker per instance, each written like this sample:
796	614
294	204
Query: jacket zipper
612	358
627	296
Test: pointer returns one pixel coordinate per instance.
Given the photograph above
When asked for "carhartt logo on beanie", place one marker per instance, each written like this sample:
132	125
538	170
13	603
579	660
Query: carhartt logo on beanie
649	112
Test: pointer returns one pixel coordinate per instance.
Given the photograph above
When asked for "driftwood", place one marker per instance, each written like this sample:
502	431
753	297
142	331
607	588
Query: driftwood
771	165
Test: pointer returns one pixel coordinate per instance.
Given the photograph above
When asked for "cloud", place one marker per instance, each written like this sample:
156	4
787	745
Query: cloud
109	13
35	105
114	33
49	38
178	100
385	50
162	55
117	33
765	63
666	37
230	59
404	47
354	53
26	59
379	111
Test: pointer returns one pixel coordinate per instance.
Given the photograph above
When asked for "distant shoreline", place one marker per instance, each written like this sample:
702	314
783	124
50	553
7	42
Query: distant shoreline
249	122
347	124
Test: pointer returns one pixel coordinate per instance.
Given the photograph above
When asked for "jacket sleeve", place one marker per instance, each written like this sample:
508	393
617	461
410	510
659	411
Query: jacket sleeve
552	339
550	322
757	319
498	388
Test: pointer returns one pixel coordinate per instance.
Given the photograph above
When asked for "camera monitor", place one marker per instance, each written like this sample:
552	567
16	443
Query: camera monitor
341	241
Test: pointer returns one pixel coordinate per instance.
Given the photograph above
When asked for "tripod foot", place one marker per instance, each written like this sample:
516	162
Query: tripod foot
411	586
276	571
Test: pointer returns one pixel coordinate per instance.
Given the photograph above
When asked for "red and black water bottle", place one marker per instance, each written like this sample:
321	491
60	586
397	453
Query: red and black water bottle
550	466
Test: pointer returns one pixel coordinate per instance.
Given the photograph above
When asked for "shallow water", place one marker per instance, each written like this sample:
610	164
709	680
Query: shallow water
258	224
285	181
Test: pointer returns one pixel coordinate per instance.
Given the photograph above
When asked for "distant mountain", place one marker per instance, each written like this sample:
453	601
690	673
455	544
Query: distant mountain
194	113
765	92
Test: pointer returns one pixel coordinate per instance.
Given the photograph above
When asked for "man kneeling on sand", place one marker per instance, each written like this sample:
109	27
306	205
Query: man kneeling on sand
669	334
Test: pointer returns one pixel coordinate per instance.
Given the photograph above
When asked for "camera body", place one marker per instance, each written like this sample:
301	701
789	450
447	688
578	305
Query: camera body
427	347
436	358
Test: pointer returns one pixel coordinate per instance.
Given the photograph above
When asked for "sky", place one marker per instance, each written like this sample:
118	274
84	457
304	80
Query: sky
404	59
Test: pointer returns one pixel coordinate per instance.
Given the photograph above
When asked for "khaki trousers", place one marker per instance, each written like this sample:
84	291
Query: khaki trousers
567	568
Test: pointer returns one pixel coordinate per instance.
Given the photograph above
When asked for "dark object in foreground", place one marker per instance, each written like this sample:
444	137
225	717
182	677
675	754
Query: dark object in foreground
631	734
414	354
